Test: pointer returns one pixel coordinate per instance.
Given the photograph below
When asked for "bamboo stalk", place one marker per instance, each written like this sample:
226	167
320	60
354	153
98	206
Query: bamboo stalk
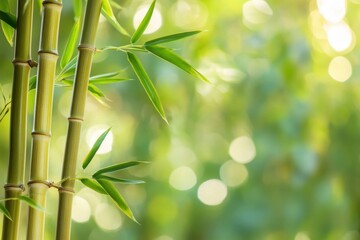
85	55
22	64
41	134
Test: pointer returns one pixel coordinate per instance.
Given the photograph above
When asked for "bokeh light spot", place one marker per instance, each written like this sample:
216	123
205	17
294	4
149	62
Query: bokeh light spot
182	178
256	12
339	36
212	192
92	135
107	217
333	11
242	149
81	210
301	236
340	69
155	22
233	174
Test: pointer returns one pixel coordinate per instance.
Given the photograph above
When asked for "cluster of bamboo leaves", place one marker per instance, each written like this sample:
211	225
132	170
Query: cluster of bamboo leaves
101	181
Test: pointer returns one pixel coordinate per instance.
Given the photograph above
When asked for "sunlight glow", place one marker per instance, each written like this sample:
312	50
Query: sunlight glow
212	192
92	135
242	149
107	217
333	11
340	69
81	211
189	13
155	22
256	12
301	236
182	178
233	174
339	35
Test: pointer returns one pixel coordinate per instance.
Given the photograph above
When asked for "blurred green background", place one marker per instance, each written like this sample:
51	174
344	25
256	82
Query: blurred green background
268	151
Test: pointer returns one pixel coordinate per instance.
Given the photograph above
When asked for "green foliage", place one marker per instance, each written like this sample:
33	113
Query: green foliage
144	23
5	211
108	13
117	198
146	83
94	148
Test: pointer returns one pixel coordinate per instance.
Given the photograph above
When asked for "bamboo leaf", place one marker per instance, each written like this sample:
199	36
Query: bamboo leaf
173	58
32	82
68	70
94	148
8	32
9	18
117	167
119	180
170	38
106	75
4	210
107	12
95	91
108	80
70	45
146	83
31	203
92	184
144	23
77	9
117	198
7	29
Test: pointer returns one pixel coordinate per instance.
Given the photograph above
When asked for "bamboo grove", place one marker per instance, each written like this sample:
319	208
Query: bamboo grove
69	71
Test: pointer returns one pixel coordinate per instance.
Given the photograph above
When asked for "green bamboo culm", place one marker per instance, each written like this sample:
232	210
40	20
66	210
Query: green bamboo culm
41	134
22	64
83	68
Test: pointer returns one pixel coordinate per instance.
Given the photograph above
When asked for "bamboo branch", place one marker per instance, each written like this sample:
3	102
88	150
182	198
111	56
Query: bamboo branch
85	55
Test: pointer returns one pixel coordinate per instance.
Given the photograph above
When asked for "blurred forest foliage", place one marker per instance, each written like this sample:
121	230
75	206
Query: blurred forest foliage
268	151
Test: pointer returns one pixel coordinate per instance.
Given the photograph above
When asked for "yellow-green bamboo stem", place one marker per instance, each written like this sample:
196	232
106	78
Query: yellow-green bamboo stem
41	134
86	52
18	122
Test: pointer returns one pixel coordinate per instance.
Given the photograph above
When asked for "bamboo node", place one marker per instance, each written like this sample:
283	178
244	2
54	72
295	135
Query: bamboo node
86	47
55	53
38	133
29	62
75	119
18	186
65	189
45	182
52	2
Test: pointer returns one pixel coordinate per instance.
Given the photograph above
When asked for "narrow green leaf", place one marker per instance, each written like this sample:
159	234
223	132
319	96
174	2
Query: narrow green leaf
32	82
173	58
119	180
108	80
94	148
9	18
70	45
144	23
105	75
117	198
77	9
5	211
31	203
146	83
68	70
117	167
116	5
8	32
92	184
171	38
95	91
107	12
